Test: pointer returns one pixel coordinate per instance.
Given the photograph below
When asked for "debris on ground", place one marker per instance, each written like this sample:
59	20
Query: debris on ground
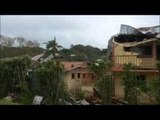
37	100
64	101
93	100
81	102
8	98
118	101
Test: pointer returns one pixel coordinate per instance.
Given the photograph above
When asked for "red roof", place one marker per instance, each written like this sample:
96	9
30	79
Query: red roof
72	65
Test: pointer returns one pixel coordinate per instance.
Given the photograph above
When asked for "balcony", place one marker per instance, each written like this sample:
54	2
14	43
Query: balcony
138	61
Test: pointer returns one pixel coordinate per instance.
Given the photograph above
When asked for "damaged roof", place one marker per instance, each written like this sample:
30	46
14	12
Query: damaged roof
126	29
37	57
73	65
130	36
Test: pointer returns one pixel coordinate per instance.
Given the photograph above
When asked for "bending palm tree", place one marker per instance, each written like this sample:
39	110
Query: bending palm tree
52	47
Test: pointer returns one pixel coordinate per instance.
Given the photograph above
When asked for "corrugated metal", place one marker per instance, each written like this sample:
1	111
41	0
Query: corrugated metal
37	57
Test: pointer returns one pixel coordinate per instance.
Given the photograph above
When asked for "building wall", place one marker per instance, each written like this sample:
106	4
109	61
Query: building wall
118	85
131	57
120	51
119	92
75	84
72	84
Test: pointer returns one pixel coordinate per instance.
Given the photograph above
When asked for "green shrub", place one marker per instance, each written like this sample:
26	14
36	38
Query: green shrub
12	73
131	91
50	81
104	86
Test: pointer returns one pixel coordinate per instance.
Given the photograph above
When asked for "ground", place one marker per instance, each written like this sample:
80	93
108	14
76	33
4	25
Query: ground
5	102
87	89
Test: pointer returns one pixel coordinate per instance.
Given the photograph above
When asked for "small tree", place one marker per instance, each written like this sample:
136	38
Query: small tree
105	88
100	67
155	85
104	81
130	84
13	73
50	80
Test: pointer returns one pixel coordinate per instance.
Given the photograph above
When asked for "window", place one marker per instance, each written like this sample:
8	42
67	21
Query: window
84	75
73	76
141	79
127	49
78	75
72	65
92	76
158	52
146	50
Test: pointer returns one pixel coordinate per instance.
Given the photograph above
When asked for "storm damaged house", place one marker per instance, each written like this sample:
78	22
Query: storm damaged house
77	74
139	46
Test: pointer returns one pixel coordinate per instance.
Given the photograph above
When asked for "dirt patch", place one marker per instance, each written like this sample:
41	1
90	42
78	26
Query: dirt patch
87	89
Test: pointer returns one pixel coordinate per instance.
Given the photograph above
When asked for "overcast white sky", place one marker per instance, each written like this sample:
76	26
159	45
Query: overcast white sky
93	30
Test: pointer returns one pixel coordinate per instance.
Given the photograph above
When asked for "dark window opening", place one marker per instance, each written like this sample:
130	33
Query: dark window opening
158	52
78	75
72	65
84	75
142	50
92	76
127	49
73	76
141	79
88	64
146	50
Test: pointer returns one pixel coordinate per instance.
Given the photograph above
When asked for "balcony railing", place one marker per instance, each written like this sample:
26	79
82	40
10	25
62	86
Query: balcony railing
139	61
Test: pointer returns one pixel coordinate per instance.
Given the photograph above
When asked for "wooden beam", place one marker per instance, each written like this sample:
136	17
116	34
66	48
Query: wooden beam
154	50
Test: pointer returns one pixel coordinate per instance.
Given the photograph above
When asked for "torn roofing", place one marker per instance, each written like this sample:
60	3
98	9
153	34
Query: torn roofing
131	44
130	36
126	29
37	57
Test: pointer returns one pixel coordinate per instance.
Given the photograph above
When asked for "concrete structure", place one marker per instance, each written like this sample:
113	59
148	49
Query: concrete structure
139	46
77	74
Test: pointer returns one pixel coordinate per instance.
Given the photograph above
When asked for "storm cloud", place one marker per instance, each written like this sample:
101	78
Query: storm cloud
72	29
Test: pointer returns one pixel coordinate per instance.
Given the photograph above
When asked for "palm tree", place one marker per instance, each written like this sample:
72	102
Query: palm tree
52	47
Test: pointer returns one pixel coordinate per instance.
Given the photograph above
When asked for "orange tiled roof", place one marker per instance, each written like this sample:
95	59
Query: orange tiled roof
72	65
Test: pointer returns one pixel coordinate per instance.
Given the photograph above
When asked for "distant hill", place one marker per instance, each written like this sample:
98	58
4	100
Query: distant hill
83	53
18	46
7	52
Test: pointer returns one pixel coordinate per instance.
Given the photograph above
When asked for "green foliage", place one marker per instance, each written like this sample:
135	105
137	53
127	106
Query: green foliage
82	53
5	102
158	65
143	86
12	73
104	82
104	86
79	95
155	88
50	78
154	85
131	92
23	93
25	98
100	67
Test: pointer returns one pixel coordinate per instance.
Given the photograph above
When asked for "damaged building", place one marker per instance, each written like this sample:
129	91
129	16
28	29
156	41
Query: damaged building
139	46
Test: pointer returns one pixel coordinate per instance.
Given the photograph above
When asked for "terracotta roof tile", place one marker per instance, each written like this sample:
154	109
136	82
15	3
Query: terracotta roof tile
72	65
